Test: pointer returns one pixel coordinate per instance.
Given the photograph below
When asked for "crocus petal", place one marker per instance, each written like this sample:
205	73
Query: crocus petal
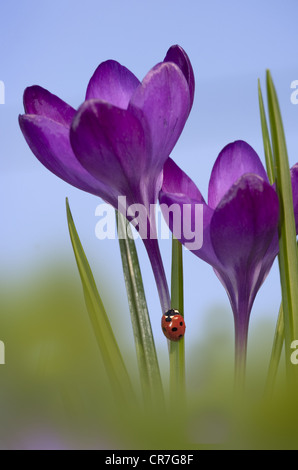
41	102
180	191
175	181
234	160
113	83
267	262
294	178
242	229
162	101
49	141
182	214
178	55
273	249
111	144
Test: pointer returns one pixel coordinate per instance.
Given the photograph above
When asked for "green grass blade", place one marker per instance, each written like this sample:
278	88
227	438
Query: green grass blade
276	353
145	346
266	138
108	346
279	331
177	349
288	261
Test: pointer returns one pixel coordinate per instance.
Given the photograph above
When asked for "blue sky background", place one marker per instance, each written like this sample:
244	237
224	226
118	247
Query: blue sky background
58	45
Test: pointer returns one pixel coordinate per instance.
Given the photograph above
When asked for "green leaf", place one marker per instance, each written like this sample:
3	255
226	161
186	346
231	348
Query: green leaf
177	349
266	138
106	341
288	261
279	331
144	342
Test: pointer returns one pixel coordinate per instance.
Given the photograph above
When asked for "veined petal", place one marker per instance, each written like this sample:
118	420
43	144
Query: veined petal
234	160
162	102
39	101
49	141
242	229
113	83
178	55
111	144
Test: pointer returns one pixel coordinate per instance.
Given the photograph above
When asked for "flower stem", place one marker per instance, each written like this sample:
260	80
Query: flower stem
241	337
153	251
177	349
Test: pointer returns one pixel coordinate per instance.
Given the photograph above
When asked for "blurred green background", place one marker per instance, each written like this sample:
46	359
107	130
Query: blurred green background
54	391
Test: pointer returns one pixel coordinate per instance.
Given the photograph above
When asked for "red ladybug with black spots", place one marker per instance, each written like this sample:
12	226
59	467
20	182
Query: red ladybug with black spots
173	325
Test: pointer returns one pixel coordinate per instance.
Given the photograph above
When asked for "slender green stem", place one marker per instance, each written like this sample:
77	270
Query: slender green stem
241	338
240	372
152	247
276	353
177	349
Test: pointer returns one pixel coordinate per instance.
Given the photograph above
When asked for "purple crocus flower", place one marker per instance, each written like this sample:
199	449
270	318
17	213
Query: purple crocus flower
240	226
116	144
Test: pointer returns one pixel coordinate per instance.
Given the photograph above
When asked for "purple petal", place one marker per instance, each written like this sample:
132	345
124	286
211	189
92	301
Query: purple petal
111	144
49	141
178	55
267	261
41	102
175	181
182	215
162	101
178	189
242	229
234	160
113	83
294	178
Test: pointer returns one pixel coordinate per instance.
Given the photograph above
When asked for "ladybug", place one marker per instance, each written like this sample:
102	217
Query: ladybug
173	325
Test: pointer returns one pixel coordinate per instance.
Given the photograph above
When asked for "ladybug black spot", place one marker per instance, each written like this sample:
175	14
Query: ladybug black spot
174	329
164	329
168	319
180	336
181	323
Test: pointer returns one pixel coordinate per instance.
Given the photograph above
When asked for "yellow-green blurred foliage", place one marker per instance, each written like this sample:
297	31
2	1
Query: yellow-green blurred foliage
54	392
